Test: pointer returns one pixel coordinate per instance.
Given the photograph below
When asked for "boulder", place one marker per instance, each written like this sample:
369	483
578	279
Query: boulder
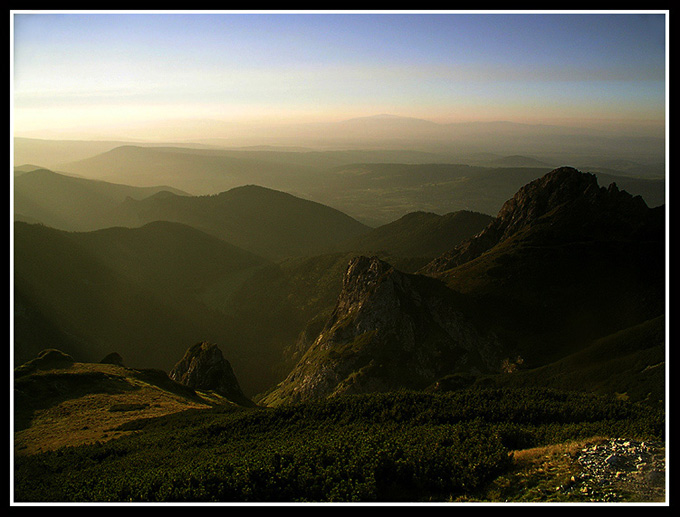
112	358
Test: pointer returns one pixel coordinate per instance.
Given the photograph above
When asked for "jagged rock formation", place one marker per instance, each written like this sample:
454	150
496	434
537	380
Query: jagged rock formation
389	330
204	368
571	206
565	262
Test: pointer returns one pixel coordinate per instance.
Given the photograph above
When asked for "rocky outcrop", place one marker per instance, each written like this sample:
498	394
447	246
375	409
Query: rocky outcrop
112	358
389	330
567	203
204	368
620	467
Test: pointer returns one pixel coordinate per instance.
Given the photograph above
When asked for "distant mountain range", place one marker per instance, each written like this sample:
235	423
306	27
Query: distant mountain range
269	223
515	161
375	186
420	234
72	203
266	222
384	192
401	132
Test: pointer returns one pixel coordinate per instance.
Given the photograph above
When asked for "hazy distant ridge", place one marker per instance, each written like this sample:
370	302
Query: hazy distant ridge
264	221
70	203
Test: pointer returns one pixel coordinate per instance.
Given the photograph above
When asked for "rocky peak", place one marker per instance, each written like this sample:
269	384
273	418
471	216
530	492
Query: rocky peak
568	201
362	276
556	189
204	368
389	330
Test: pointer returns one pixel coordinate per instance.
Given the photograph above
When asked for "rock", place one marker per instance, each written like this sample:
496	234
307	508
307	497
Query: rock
614	460
617	466
204	368
112	358
564	199
389	330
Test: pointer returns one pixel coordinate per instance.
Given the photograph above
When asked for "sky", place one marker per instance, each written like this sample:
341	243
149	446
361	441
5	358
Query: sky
74	70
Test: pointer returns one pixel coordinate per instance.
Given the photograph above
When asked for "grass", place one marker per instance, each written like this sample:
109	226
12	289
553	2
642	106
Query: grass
538	474
85	403
405	446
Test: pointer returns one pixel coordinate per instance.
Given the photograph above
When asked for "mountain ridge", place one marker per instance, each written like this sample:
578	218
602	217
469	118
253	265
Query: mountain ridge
71	203
420	234
564	264
548	269
539	198
264	221
125	288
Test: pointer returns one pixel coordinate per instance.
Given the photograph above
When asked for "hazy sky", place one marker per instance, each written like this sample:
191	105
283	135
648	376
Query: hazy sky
92	69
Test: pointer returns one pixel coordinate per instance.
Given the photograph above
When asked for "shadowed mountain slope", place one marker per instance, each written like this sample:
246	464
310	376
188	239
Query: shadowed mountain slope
630	364
420	234
137	291
169	257
73	204
266	222
566	261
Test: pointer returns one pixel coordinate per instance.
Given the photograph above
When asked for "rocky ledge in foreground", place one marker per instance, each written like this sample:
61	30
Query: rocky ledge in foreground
621	469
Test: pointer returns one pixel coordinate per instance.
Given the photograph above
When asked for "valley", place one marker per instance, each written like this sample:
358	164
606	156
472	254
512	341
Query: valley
420	321
356	258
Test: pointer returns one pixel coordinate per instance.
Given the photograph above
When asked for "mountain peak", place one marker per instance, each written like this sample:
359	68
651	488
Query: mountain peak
389	330
363	273
560	187
564	198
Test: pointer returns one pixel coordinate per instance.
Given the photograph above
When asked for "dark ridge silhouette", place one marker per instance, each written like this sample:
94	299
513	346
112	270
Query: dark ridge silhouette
266	222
